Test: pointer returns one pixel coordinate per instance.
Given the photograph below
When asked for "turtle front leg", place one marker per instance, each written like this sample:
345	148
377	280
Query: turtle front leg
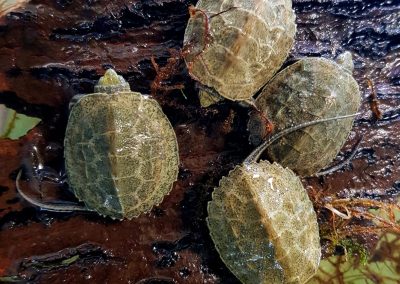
74	100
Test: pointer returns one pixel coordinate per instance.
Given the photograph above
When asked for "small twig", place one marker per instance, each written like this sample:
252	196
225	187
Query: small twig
337	212
373	101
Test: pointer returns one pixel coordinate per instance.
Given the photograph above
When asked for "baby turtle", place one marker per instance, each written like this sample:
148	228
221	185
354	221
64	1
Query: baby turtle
234	47
310	89
121	152
264	226
262	222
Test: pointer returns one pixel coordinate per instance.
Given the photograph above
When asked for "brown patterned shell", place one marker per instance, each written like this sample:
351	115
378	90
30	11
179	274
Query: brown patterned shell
121	153
310	89
241	47
264	226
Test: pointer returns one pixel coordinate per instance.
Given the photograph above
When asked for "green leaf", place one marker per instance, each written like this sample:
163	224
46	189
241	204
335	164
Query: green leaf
381	267
70	260
13	125
11	279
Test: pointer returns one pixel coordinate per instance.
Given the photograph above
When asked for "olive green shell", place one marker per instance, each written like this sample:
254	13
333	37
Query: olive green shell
264	226
241	47
121	153
310	89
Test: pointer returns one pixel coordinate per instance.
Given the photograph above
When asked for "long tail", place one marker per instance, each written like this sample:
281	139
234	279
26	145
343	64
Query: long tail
255	155
47	206
340	165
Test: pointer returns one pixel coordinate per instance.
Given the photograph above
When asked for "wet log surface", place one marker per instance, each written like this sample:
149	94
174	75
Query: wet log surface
52	50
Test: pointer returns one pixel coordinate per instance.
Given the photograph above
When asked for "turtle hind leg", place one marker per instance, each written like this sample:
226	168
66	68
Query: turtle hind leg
49	174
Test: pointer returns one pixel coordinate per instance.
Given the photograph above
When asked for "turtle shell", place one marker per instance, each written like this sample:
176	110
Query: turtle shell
235	47
264	226
121	153
308	90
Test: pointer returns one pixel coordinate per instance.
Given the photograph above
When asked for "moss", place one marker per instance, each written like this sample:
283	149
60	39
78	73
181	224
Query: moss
352	248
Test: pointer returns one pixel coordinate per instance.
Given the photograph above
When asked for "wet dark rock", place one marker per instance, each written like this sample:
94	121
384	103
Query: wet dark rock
53	50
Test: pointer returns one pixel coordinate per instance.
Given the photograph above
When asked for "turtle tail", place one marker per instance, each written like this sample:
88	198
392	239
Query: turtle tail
52	207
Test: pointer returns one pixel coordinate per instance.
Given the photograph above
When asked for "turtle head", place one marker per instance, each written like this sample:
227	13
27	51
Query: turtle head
345	60
111	83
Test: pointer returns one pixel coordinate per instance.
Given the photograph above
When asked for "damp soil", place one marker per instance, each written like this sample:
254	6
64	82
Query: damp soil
52	50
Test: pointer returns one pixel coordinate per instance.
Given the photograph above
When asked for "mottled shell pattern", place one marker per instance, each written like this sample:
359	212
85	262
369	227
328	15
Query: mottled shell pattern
236	46
310	89
121	152
264	226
